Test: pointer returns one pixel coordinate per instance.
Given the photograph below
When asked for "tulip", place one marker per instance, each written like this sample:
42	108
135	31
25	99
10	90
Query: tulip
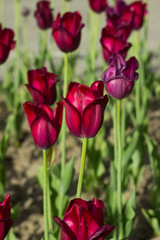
67	31
44	15
120	77
98	6
84	108
139	10
44	123
5	221
112	44
42	86
6	43
84	220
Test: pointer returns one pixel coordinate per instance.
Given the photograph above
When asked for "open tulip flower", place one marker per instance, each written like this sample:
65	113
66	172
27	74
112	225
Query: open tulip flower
45	124
6	43
120	76
112	44
98	6
84	108
44	15
67	31
5	221
42	86
84	220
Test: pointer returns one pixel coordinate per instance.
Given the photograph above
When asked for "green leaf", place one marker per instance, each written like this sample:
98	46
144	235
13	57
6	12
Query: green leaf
68	176
129	214
152	219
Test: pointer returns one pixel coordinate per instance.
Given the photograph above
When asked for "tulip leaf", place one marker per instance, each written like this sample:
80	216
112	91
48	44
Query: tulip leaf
151	217
129	214
10	235
68	176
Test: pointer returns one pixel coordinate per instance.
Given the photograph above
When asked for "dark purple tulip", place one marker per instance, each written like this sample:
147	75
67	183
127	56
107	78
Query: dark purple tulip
42	86
5	221
84	108
139	11
45	124
67	31
44	15
98	6
84	220
6	43
120	76
112	44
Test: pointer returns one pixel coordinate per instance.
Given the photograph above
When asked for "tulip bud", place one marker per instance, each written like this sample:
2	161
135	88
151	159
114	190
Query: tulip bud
98	6
42	86
45	124
84	108
5	221
84	220
44	15
6	43
67	31
120	76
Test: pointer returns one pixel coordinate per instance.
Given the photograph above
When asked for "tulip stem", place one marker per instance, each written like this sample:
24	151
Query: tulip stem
80	180
45	203
49	203
137	41
119	171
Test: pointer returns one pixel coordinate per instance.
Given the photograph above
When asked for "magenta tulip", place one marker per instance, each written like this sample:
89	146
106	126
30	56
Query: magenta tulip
139	11
84	220
98	6
84	108
42	86
5	221
112	44
44	15
6	43
67	31
120	76
45	124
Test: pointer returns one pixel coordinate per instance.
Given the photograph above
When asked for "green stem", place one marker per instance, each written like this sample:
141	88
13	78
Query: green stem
115	134
45	203
80	180
63	121
123	123
17	20
119	172
49	203
44	48
137	87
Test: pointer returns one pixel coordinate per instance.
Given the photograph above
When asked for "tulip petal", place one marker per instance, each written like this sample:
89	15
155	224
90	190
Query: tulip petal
30	111
93	117
73	118
102	232
97	88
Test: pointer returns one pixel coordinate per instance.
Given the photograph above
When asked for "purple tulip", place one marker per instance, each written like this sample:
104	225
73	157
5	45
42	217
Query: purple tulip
98	6
120	76
44	15
84	220
42	86
45	124
84	108
67	31
5	221
112	44
6	43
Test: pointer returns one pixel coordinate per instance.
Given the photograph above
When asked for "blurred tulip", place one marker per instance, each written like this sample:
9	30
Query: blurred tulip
112	44
139	10
45	124
84	108
98	6
67	31
6	43
42	86
5	221
120	76
84	220
44	15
